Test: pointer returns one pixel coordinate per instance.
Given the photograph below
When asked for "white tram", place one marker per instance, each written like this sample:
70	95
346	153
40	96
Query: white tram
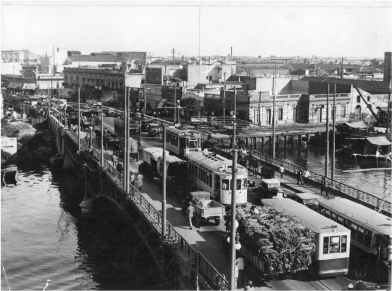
370	230
332	240
213	173
182	141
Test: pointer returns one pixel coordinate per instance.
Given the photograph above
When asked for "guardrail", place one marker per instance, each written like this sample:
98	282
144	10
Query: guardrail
153	215
361	196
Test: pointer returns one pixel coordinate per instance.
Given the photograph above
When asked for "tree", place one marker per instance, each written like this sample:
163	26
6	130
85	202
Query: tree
191	104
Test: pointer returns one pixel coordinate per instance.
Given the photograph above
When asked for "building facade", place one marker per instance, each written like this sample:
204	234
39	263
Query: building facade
208	73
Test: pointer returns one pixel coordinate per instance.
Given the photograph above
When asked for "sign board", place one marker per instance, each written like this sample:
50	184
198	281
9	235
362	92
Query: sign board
154	76
9	145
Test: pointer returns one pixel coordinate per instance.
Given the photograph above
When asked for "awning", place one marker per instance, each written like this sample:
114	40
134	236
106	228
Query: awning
359	124
30	86
160	104
14	85
379	140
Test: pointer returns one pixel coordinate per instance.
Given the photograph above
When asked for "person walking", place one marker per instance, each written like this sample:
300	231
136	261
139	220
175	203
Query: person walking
140	181
105	132
132	177
324	186
281	170
119	168
240	264
114	160
189	213
306	176
299	177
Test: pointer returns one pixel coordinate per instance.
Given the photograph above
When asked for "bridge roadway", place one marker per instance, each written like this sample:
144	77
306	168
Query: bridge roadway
208	238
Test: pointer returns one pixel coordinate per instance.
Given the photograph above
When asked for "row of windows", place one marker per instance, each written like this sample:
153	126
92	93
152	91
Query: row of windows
172	138
201	173
335	244
358	233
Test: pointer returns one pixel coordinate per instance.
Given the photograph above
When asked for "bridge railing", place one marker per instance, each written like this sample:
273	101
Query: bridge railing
361	196
155	217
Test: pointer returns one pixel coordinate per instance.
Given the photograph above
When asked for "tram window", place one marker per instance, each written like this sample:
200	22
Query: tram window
325	245
340	220
182	143
353	228
239	183
245	183
333	216
360	234
327	213
368	238
175	140
225	184
192	144
347	223
334	244
344	243
322	210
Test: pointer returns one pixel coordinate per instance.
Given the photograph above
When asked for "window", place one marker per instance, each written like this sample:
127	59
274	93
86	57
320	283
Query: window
368	238
239	184
347	223
334	244
325	245
342	111
368	98
280	114
358	99
206	77
353	228
225	184
340	220
344	243
360	234
327	213
333	217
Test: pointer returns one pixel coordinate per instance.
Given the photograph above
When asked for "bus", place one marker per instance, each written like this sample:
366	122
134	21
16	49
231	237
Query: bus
181	141
213	173
332	239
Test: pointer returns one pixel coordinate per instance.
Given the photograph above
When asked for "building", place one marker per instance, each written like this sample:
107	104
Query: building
387	66
208	73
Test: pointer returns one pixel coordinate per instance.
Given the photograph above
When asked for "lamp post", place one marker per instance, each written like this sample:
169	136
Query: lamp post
175	102
178	105
327	132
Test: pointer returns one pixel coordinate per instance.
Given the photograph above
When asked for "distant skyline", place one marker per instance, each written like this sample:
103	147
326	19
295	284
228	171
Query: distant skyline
323	29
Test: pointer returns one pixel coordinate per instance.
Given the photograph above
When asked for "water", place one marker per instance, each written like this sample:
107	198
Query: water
374	182
46	237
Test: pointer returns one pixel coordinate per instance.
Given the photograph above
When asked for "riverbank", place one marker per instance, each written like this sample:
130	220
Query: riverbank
35	142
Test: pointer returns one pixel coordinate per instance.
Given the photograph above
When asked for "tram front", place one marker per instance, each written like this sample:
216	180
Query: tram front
224	185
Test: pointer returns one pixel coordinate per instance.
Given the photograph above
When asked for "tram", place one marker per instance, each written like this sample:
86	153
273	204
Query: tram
370	230
332	239
181	142
213	173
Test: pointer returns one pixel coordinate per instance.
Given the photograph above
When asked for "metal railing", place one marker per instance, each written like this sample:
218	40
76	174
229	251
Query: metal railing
153	215
361	196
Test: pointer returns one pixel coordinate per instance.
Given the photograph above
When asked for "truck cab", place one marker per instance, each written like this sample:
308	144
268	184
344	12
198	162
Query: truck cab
154	129
310	200
270	188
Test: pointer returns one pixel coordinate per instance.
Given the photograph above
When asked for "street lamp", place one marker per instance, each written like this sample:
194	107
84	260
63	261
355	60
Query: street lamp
178	105
139	141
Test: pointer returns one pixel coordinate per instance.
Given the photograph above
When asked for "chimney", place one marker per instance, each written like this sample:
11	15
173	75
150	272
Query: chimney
231	53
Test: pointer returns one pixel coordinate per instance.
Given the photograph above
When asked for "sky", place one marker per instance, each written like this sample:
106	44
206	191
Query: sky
336	29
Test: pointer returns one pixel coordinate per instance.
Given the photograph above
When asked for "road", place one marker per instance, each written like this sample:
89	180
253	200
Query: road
209	238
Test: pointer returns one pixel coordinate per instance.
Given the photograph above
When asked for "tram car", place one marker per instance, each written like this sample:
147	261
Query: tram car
210	172
370	230
331	257
181	142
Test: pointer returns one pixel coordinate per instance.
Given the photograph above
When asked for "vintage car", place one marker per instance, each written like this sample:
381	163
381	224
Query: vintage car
270	188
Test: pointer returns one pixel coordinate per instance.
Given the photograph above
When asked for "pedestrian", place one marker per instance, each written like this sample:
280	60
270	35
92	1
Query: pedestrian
281	170
306	176
119	168
240	264
114	160
189	213
236	276
249	285
299	177
324	186
132	177
105	132
140	181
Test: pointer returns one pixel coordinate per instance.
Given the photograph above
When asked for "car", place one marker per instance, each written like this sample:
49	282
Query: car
154	130
270	188
308	199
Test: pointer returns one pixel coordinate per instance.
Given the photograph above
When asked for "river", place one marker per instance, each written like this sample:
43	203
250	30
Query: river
46	237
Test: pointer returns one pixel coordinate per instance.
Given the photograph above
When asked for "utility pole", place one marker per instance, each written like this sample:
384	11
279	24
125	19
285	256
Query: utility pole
125	150
273	112
259	109
389	126
164	184
333	131
173	51
175	102
102	136
79	119
224	99
127	178
233	201
341	70
327	132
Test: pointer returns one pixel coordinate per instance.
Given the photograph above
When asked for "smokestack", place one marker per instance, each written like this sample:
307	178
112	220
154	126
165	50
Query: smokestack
341	71
231	52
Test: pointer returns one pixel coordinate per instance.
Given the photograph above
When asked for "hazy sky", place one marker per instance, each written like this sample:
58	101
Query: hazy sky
349	29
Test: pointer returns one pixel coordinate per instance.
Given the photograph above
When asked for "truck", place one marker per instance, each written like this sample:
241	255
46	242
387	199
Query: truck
205	208
134	127
176	170
270	188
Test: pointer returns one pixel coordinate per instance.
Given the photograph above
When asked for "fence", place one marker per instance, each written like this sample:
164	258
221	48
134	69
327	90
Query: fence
153	215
